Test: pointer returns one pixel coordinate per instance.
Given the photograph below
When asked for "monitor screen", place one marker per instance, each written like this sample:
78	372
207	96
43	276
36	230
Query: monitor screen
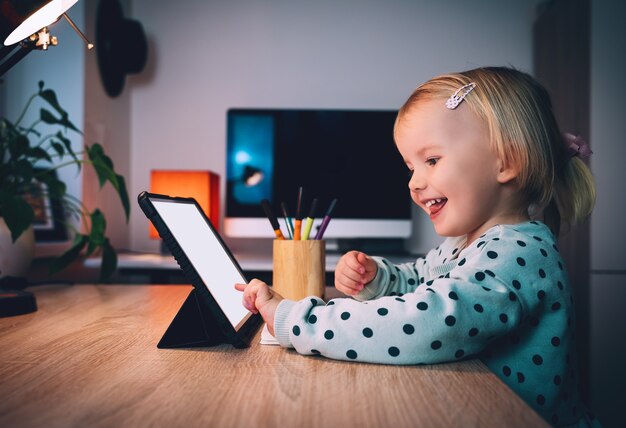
345	154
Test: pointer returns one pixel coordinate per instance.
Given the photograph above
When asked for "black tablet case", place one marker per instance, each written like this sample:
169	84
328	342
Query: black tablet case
199	322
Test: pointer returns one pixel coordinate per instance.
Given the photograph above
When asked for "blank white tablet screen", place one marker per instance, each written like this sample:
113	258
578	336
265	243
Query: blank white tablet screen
206	254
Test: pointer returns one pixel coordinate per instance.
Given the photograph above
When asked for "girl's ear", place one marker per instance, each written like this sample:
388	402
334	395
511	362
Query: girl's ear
506	172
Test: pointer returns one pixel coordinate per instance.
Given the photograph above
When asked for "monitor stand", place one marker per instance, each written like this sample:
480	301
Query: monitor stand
373	246
332	246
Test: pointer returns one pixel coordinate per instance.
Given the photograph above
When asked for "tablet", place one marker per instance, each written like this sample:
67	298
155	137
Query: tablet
207	263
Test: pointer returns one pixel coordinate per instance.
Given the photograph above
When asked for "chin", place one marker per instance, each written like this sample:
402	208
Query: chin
448	231
442	231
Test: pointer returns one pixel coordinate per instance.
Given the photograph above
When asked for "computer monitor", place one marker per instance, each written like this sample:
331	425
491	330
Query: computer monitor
345	154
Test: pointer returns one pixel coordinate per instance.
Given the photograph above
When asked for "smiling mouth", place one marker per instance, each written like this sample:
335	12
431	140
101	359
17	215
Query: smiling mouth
435	205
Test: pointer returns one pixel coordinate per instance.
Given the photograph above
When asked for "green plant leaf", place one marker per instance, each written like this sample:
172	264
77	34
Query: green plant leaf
98	226
51	97
39	153
106	172
6	127
24	170
50	119
109	261
101	163
18	145
91	247
17	214
121	190
97	231
59	148
65	259
56	187
68	146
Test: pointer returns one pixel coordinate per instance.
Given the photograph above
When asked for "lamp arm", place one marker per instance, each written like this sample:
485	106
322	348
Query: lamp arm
80	33
14	58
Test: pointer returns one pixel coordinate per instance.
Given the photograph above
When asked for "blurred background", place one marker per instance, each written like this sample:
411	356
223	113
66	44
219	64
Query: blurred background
205	57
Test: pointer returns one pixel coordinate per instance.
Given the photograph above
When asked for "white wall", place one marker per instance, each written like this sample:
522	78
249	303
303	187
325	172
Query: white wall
608	228
108	122
208	56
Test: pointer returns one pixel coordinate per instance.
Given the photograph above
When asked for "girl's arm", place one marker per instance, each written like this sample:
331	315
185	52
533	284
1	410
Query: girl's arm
446	321
397	280
393	280
460	308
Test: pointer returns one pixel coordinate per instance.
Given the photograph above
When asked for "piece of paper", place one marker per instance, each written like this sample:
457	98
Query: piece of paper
267	338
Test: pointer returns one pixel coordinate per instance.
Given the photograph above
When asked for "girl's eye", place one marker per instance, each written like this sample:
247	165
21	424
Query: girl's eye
431	161
410	173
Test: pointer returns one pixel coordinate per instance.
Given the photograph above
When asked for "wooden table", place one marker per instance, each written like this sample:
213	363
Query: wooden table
88	358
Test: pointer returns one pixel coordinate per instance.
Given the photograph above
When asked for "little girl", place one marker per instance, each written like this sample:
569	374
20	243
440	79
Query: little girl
485	156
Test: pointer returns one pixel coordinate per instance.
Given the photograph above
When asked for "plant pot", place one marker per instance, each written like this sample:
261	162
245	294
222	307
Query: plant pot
15	258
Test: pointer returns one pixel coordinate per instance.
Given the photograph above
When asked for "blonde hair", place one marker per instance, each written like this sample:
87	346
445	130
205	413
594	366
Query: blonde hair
523	133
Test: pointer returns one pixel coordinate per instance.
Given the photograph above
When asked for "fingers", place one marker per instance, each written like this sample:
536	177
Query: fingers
353	272
352	261
251	293
364	260
348	285
249	301
370	266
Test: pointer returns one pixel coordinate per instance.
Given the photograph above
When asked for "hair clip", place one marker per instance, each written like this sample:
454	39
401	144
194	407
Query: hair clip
576	146
456	98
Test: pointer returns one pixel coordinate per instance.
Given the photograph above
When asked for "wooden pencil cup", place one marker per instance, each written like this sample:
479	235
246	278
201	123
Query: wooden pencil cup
299	268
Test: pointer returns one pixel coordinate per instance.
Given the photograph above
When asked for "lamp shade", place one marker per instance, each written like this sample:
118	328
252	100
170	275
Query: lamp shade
121	45
23	18
203	186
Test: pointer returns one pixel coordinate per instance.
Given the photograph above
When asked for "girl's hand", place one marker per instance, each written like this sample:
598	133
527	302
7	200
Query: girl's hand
354	270
259	298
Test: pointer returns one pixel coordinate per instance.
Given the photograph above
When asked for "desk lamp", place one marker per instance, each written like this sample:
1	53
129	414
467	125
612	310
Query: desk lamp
23	28
25	23
203	186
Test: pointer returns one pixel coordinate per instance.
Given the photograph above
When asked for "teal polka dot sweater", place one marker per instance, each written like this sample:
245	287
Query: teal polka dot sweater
505	298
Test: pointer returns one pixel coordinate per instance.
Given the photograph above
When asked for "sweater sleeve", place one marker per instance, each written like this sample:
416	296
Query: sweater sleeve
397	280
392	280
447	318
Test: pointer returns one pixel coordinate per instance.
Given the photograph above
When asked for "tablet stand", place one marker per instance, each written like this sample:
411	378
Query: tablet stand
192	327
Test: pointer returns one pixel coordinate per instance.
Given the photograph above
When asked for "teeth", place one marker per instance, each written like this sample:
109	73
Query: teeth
432	202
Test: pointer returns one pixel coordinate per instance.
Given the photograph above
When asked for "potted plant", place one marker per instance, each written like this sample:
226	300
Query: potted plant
27	157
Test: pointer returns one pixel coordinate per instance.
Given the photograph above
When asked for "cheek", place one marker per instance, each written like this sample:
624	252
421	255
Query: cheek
414	197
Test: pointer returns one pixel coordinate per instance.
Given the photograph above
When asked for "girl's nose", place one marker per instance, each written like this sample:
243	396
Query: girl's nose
416	182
